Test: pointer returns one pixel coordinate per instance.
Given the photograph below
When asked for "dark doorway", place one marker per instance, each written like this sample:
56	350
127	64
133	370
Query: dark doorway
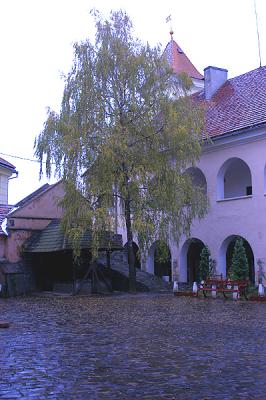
193	260
51	268
162	261
57	267
249	254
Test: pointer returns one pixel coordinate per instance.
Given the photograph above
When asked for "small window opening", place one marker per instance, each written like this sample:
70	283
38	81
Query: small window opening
249	190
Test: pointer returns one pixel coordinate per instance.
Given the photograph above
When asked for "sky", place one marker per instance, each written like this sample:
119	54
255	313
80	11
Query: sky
36	44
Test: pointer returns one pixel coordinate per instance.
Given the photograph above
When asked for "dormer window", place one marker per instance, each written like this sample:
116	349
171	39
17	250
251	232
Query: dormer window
249	190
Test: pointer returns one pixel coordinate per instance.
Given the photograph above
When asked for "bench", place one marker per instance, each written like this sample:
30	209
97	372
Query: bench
225	287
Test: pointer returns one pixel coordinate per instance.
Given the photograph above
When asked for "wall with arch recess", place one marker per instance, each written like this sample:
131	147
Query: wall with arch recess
238	211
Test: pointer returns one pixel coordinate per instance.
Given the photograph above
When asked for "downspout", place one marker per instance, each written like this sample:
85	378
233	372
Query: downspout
12	177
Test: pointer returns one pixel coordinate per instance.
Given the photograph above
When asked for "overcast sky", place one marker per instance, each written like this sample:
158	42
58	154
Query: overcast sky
36	44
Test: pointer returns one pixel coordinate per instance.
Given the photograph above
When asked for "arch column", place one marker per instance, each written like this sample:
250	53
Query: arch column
150	260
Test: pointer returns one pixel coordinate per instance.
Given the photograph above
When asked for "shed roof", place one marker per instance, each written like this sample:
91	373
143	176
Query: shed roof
52	239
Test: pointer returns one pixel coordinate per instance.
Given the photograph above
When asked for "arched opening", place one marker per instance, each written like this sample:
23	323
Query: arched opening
162	261
136	254
249	254
198	178
193	258
226	253
234	180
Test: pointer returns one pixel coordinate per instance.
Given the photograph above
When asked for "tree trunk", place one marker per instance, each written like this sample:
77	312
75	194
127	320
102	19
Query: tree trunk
131	254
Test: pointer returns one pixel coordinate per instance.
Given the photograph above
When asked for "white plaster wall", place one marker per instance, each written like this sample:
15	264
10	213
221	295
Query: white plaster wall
245	216
3	189
4	175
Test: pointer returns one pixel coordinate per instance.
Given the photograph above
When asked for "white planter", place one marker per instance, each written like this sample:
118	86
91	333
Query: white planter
235	294
175	286
261	289
214	291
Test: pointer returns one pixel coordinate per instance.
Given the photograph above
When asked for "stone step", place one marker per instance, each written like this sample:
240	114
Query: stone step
152	282
67	287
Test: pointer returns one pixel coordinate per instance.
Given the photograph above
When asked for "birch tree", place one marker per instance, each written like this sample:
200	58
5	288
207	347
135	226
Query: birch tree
121	139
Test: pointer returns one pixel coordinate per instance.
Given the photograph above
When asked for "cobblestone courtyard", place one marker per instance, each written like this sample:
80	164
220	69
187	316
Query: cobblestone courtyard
141	346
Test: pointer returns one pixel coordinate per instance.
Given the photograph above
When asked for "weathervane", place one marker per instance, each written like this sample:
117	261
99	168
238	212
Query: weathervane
169	20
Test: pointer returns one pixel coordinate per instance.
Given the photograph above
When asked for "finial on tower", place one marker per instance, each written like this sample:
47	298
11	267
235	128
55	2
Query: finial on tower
171	33
169	19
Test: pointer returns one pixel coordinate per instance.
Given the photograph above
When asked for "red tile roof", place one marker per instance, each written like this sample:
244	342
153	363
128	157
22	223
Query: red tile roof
7	164
238	104
4	210
179	61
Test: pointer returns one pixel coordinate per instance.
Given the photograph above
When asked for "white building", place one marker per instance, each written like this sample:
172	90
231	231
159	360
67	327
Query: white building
231	168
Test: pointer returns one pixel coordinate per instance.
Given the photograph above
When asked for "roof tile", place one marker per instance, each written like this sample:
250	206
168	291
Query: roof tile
52	239
179	62
238	104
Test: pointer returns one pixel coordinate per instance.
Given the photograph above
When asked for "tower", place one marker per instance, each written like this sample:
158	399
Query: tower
180	63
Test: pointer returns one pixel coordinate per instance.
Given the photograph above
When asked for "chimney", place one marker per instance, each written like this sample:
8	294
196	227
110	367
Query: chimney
214	78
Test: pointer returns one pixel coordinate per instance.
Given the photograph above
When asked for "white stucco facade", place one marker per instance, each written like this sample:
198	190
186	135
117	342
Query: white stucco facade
240	157
240	215
5	174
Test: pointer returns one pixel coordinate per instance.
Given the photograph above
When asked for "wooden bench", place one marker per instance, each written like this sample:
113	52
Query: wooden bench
225	287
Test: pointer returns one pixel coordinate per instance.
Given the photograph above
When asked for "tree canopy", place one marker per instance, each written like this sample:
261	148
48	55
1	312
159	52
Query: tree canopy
121	142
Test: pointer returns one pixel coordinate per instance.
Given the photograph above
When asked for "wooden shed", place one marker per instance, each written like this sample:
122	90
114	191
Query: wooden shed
50	256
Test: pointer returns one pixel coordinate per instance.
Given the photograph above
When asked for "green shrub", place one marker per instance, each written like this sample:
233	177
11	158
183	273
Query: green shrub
240	269
206	264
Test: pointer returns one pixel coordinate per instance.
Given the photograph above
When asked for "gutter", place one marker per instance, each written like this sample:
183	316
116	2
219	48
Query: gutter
6	166
235	132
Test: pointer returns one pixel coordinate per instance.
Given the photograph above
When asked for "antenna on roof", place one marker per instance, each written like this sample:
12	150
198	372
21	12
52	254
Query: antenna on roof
258	34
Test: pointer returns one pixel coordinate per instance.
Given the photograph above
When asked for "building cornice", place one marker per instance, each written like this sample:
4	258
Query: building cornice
237	138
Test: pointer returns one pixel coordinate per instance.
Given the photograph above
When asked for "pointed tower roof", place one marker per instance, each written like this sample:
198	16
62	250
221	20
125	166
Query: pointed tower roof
179	61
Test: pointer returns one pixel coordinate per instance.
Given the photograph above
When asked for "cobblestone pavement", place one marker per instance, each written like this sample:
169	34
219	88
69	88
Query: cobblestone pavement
145	346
